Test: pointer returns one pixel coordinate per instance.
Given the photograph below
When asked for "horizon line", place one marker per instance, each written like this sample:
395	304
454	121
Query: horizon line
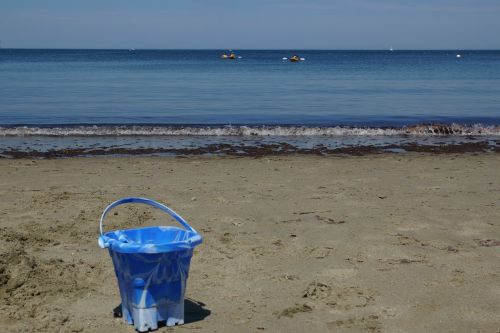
248	49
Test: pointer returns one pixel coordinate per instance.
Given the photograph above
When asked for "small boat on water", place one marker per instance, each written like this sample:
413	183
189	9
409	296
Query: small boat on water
231	55
228	56
294	58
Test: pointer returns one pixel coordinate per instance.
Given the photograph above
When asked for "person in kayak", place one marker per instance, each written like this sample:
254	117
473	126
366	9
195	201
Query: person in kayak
231	55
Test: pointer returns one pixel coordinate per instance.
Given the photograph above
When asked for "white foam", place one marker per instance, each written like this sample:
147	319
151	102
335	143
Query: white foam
297	131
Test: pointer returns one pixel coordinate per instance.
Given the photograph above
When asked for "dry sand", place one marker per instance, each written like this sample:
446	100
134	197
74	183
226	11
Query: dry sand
382	243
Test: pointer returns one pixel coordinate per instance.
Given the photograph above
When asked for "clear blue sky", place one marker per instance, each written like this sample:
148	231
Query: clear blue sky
268	24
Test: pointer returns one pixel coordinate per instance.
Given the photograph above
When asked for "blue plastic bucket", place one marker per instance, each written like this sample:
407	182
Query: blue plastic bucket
152	267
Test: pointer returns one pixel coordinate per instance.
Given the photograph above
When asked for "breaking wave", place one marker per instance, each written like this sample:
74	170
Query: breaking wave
300	131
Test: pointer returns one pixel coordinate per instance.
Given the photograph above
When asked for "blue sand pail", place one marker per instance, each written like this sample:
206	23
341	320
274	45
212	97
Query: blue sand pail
152	266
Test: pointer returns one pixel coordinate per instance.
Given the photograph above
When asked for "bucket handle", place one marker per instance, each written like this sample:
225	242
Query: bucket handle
150	202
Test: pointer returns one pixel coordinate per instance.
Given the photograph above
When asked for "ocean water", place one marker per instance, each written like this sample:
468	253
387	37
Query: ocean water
106	95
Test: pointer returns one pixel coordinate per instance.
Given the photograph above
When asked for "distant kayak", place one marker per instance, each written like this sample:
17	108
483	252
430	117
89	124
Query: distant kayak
231	56
294	58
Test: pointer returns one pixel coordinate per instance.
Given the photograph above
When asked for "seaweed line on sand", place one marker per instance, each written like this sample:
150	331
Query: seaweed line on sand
278	149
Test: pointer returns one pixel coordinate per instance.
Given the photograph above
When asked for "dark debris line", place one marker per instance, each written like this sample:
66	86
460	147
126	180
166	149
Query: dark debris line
281	149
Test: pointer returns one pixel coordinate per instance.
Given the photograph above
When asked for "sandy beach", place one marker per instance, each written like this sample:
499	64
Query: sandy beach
377	243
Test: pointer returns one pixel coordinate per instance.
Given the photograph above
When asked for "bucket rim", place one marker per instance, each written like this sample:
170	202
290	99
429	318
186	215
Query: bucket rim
116	245
120	246
149	227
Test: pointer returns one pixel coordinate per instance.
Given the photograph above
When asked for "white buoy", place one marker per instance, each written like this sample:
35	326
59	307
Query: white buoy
459	56
302	59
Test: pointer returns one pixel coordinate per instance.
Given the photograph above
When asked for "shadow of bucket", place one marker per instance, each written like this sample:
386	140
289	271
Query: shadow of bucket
151	266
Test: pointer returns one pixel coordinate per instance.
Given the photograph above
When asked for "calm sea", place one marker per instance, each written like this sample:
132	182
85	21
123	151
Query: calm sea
110	93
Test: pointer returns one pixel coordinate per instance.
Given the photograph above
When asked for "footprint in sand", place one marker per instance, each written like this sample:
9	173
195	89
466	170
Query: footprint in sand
339	298
318	252
317	291
370	323
321	294
293	310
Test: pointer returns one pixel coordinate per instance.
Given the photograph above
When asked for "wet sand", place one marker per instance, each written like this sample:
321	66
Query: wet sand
377	243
